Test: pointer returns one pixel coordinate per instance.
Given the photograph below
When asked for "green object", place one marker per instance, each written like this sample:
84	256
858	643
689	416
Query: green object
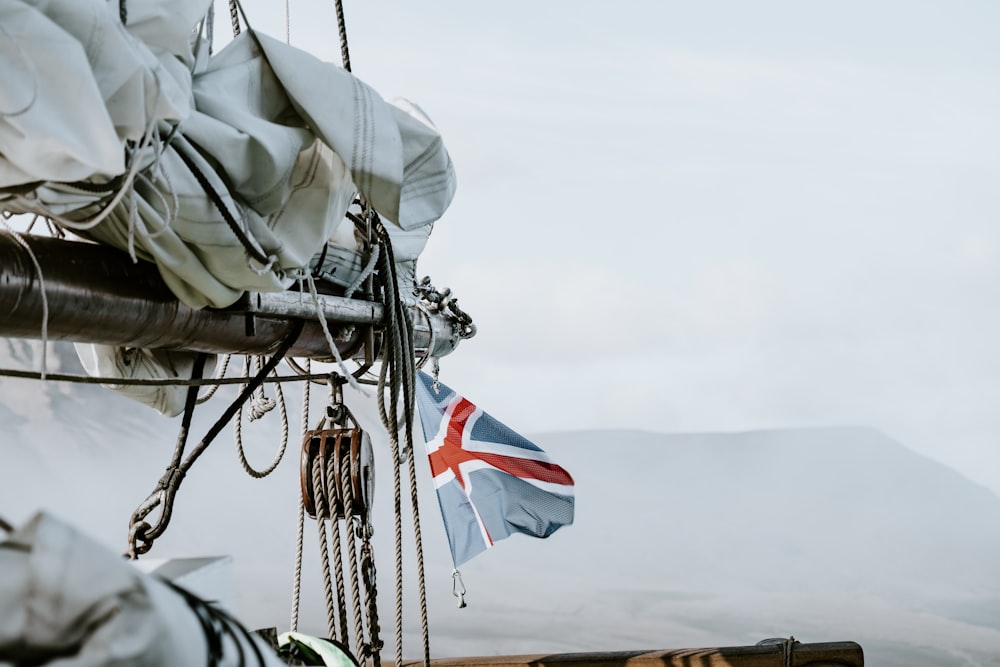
315	650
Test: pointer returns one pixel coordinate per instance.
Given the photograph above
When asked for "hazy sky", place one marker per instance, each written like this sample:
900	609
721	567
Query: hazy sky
708	216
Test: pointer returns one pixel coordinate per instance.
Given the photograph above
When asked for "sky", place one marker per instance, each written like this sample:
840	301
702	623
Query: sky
717	216
711	216
721	216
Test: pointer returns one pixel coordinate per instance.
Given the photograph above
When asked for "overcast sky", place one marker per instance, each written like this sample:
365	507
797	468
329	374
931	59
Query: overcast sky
683	216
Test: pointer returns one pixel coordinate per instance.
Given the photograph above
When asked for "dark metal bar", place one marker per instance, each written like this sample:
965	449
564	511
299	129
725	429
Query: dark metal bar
97	295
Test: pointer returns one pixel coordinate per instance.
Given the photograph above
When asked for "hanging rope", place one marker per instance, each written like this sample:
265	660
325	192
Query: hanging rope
300	531
220	373
396	377
234	17
339	475
322	520
288	22
314	295
259	405
345	56
250	246
336	465
141	533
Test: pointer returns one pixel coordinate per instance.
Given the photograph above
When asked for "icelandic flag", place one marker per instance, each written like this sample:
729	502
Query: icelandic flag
490	481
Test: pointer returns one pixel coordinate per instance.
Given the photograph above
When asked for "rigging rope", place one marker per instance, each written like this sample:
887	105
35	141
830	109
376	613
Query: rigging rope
221	372
397	375
234	17
332	492
322	514
257	410
215	624
299	535
342	478
124	186
333	459
76	378
253	250
332	478
141	533
345	56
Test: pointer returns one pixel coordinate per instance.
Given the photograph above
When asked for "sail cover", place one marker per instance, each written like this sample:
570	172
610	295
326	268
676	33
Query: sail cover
230	170
69	601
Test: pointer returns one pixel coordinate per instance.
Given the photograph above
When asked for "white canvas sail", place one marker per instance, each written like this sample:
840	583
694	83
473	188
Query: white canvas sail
69	601
230	171
137	126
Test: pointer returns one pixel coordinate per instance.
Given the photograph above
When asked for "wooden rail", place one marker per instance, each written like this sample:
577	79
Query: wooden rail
831	654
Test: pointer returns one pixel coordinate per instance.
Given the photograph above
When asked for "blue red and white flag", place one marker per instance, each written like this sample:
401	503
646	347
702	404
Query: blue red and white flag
490	481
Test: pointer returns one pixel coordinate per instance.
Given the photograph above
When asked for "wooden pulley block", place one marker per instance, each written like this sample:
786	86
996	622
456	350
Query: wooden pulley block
343	447
362	474
311	443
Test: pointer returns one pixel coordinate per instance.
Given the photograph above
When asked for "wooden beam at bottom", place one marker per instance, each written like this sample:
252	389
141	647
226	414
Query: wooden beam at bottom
830	654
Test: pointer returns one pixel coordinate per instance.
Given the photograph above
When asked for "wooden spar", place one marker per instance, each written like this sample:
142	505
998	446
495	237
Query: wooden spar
828	654
96	294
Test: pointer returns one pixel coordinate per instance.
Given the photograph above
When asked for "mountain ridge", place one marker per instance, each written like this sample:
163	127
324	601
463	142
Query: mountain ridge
680	539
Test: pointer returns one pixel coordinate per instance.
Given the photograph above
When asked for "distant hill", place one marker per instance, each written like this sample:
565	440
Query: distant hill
788	510
680	539
827	534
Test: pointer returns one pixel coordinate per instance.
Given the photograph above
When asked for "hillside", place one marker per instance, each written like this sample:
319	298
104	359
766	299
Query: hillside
680	539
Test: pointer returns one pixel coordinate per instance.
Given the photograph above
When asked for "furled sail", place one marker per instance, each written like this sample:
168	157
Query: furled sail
70	601
230	171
